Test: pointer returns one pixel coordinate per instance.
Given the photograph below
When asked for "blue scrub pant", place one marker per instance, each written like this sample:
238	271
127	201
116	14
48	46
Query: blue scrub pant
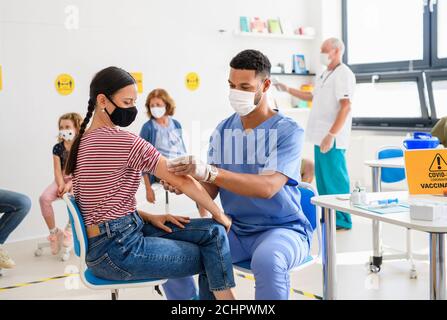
332	177
273	253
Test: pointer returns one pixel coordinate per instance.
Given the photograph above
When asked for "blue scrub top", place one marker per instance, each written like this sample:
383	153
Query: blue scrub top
275	145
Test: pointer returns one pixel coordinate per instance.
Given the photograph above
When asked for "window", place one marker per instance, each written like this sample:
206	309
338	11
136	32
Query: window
378	40
397	41
398	96
439	34
437	89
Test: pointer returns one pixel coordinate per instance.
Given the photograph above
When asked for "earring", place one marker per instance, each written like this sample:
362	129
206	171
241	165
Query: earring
104	110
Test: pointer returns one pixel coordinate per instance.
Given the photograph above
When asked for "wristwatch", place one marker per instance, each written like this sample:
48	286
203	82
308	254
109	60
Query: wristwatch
213	172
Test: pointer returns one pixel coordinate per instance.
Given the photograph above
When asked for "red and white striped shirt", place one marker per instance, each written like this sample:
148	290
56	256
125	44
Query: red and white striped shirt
108	173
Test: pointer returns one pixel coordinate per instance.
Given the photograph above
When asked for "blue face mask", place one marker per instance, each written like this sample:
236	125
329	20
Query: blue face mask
122	117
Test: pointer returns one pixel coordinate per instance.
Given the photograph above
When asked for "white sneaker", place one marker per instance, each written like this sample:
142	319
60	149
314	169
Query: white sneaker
5	261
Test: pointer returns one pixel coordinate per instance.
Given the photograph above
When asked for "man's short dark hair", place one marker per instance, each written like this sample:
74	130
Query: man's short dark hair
252	60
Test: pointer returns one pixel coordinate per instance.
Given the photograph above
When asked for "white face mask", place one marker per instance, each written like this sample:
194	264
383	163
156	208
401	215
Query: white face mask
324	59
158	112
67	135
243	102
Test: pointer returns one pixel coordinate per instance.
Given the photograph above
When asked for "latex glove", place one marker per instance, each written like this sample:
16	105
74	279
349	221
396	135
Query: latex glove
327	143
189	165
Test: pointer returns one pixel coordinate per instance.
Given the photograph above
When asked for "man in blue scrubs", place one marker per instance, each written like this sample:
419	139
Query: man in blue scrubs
254	165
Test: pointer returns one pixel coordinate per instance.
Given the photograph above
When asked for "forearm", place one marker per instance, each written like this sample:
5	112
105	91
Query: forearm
212	189
307	96
58	177
189	186
340	119
249	185
147	181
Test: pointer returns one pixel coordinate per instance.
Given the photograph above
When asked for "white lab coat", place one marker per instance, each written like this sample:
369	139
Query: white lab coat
330	88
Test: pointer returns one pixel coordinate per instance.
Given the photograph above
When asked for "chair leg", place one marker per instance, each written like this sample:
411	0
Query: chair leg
166	202
115	294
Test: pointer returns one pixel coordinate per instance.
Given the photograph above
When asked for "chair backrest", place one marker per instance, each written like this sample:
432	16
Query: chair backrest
309	209
390	175
80	240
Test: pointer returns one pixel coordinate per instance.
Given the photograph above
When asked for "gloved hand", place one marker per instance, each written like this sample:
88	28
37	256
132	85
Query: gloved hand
185	165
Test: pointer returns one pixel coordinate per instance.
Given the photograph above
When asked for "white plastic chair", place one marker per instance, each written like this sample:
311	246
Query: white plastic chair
313	214
80	242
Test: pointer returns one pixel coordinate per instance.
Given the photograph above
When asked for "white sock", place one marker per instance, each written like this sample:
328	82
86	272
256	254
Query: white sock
53	231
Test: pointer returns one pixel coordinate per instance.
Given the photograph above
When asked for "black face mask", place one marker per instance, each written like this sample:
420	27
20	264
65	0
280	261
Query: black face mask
122	117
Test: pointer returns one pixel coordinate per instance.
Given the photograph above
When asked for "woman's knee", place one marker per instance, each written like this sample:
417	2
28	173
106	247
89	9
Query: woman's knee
44	199
214	228
218	231
24	202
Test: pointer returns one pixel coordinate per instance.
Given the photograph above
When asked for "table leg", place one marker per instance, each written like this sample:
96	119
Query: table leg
437	267
329	255
376	259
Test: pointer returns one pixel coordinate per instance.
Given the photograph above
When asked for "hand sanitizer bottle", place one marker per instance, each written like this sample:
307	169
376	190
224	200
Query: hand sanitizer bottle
363	197
355	195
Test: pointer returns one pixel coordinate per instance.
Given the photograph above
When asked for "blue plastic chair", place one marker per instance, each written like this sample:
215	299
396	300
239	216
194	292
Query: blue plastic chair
80	243
391	175
313	214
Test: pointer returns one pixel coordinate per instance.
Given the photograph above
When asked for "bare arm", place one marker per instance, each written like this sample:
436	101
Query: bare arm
147	181
212	189
58	177
345	108
251	185
189	186
328	141
307	96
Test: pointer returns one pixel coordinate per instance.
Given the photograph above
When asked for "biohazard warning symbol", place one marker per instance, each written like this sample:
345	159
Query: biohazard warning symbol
438	164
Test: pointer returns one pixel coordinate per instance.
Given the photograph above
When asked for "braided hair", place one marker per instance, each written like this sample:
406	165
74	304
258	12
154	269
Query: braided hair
107	81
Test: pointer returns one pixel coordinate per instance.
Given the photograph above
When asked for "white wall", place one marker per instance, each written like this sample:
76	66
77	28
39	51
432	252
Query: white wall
164	39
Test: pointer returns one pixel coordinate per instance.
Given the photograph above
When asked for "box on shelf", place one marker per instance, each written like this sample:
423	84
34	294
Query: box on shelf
274	26
257	25
244	24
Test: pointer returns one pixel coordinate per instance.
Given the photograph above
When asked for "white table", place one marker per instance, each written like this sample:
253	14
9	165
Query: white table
397	162
436	229
376	260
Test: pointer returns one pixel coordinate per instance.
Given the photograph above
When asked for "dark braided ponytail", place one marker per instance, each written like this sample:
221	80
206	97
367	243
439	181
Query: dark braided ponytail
107	81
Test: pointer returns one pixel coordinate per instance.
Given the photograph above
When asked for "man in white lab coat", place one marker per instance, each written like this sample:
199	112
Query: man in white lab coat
330	120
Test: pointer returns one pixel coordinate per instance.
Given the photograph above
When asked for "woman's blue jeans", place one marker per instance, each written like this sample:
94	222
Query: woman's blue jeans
130	249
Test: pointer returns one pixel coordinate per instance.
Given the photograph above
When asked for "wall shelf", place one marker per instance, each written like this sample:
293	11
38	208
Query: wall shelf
273	36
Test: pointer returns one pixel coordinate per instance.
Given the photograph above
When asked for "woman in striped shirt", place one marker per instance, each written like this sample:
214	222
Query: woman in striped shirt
129	244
